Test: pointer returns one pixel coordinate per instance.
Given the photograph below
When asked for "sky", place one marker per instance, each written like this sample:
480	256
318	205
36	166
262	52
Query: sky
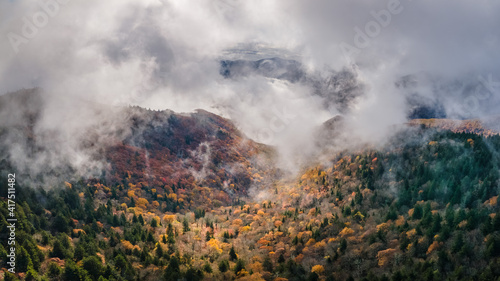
165	54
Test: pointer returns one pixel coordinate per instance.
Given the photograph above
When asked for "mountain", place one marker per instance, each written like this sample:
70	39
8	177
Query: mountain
431	96
486	126
277	68
174	153
337	89
186	196
426	95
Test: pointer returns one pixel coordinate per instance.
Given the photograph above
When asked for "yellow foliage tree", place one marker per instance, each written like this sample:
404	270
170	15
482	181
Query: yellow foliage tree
346	231
318	269
245	229
256	267
155	204
214	247
130	193
433	247
320	245
237	222
169	218
254	277
411	233
142	203
127	245
385	256
310	242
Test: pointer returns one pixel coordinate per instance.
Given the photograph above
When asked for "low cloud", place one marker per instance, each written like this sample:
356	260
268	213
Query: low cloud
166	54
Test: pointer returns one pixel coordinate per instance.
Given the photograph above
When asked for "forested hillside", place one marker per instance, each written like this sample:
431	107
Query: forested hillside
422	208
268	140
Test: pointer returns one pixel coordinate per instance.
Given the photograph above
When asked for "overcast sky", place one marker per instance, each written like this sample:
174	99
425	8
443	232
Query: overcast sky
165	54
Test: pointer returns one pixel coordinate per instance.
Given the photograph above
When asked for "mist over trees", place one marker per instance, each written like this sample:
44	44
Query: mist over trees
422	208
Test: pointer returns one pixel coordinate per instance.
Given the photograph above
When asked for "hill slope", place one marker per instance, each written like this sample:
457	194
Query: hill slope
172	203
131	147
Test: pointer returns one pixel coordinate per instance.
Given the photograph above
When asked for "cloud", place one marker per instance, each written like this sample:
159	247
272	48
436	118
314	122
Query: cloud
166	54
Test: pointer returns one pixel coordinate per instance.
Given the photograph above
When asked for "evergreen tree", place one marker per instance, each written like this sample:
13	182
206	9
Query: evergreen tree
240	265
93	266
232	254
170	234
173	272
267	264
185	225
23	260
223	266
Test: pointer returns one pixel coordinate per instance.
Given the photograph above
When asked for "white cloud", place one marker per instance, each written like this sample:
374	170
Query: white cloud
165	54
